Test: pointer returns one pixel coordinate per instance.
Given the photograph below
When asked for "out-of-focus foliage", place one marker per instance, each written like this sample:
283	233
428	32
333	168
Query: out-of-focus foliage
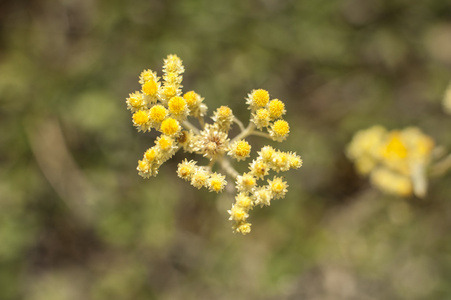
77	222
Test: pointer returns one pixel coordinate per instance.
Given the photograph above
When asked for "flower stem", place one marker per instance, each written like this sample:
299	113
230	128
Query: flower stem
246	132
228	168
240	124
259	133
188	125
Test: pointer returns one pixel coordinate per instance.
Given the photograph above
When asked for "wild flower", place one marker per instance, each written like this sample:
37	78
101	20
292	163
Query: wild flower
396	161
160	105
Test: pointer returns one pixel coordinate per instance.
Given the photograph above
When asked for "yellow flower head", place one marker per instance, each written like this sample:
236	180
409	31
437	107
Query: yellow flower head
223	118
173	64
140	117
243	201
216	182
147	75
243	228
191	98
279	130
170	127
177	106
224	113
186	169
278	187
195	105
167	92
262	196
276	109
143	166
151	154
245	182
294	161
259	168
135	101
240	150
238	213
267	154
281	162
150	88
141	120
261	118
258	98
165	143
158	113
200	178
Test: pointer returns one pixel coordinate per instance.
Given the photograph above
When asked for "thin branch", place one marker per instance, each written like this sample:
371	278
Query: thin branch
188	125
246	132
240	124
259	133
228	168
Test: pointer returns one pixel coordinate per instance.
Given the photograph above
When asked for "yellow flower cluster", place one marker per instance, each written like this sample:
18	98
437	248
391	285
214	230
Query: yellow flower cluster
246	184
267	114
160	105
395	161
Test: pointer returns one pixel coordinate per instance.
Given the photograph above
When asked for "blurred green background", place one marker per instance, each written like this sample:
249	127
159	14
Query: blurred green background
76	220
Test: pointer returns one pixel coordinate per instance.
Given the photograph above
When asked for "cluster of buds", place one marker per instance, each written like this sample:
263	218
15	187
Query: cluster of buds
396	161
162	106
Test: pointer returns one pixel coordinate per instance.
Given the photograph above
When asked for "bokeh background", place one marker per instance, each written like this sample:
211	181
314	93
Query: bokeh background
76	220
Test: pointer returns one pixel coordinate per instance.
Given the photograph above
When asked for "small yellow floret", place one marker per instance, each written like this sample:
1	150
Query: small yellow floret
245	182
191	98
170	126
224	112
158	113
242	148
260	97
150	88
294	161
165	143
216	182
135	101
243	228
244	201
141	117
281	127
173	63
259	168
261	118
147	75
200	178
186	169
238	213
278	187
276	109
143	166
169	91
267	153
177	105
279	130
151	154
